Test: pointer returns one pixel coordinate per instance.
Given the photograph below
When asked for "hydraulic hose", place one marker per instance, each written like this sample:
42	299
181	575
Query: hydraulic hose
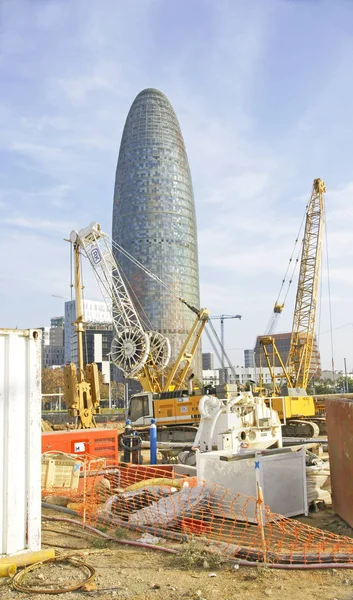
62	509
183	538
131	449
111	538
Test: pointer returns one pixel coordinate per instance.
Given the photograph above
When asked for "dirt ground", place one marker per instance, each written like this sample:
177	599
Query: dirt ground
140	574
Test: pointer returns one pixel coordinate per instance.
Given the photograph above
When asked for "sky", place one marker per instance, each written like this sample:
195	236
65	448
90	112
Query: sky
263	93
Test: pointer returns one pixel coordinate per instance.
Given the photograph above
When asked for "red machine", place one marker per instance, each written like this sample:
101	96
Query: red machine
100	443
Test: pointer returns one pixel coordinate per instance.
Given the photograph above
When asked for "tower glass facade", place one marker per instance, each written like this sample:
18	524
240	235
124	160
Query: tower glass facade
154	217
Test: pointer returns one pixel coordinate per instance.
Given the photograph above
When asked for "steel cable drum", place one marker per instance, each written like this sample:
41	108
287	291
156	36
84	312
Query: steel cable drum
129	350
160	350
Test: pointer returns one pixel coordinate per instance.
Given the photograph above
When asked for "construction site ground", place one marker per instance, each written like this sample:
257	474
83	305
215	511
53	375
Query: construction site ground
140	574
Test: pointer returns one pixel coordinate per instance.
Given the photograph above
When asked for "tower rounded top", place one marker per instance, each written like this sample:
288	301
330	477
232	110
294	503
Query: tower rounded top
150	91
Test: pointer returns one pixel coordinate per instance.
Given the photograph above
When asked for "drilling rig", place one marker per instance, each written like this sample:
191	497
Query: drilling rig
295	406
81	385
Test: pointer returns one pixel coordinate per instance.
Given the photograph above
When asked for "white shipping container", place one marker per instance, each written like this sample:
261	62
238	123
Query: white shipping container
20	440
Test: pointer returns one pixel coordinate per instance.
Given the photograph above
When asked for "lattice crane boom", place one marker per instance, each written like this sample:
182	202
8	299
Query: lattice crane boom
302	339
133	348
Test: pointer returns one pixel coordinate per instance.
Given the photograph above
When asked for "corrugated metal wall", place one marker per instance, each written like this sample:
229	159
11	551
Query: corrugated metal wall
339	416
20	440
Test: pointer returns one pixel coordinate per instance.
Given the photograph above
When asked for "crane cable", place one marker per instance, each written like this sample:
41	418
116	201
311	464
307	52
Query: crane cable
169	289
144	319
144	269
290	262
163	284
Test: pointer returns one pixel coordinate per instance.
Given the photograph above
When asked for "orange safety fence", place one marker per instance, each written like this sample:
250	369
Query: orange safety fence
157	500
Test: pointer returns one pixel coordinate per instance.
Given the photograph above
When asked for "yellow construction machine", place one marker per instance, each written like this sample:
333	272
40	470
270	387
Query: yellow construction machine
141	354
81	385
295	407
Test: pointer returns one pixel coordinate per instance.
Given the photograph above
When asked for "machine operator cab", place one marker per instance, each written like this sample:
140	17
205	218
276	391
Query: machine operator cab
177	407
141	408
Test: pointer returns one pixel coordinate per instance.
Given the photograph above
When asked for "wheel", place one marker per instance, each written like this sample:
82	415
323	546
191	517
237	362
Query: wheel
129	351
159	350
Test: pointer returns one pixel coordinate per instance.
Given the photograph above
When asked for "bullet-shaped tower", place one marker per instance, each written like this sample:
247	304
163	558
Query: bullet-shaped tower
154	218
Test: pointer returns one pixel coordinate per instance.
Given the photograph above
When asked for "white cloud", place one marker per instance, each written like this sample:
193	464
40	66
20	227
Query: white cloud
79	89
74	71
31	223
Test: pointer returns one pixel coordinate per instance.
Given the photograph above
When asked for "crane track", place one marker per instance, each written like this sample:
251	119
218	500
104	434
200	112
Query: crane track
301	428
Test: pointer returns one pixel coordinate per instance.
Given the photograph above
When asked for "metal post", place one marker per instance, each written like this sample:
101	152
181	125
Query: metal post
346	376
60	398
222	342
153	442
109	389
126	399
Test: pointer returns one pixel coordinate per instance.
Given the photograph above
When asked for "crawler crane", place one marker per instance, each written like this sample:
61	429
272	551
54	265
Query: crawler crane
141	354
296	407
168	394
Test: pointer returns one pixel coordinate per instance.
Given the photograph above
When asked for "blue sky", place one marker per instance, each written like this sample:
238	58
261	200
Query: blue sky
263	92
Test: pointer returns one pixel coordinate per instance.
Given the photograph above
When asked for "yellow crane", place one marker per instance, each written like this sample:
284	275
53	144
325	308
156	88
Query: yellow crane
140	353
297	405
303	330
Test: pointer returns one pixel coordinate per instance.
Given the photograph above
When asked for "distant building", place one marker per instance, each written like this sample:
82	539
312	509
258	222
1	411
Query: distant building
249	358
154	218
57	322
53	343
243	376
93	312
45	335
56	332
327	374
52	356
207	361
282	341
97	341
210	376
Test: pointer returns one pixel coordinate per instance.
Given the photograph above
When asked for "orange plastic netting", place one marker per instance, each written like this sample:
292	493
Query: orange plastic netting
157	500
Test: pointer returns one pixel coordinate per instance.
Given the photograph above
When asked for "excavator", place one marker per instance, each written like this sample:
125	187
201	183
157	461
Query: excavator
289	397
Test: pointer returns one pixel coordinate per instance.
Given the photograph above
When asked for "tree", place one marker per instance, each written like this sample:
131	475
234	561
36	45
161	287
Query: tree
117	393
104	387
52	380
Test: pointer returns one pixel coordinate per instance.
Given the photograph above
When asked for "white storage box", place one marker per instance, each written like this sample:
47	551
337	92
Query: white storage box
280	473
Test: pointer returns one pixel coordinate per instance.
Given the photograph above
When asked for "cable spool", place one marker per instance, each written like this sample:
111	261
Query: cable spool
130	350
160	350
